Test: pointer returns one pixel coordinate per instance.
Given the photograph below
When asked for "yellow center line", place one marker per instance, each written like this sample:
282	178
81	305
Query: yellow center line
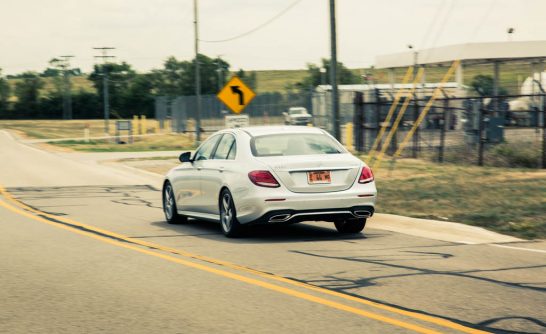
88	230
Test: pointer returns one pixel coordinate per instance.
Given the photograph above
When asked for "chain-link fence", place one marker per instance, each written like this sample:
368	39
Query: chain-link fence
498	130
479	130
264	109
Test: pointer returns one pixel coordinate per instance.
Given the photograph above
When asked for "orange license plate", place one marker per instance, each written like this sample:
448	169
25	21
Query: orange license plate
317	177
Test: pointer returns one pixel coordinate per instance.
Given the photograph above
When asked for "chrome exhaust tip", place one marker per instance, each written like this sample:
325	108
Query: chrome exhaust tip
362	214
280	218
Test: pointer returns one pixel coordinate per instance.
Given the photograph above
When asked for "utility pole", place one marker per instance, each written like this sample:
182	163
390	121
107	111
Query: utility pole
106	98
64	64
333	70
220	71
481	133
197	73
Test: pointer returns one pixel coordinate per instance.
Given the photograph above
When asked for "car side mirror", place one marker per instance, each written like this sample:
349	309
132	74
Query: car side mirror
285	113
185	157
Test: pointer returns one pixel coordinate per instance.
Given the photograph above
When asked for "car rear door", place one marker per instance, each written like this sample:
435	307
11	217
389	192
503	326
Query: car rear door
215	171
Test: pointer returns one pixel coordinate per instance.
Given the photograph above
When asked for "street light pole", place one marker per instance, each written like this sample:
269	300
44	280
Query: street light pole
333	70
322	76
197	74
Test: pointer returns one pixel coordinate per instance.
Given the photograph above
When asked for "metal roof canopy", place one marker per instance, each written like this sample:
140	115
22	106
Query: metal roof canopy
469	54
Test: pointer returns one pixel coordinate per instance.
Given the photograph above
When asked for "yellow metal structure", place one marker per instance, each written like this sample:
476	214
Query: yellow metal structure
143	124
399	117
349	136
387	121
136	124
425	111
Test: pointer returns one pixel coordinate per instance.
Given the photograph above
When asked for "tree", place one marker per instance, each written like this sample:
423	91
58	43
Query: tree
138	98
315	77
27	91
483	85
119	79
5	93
177	77
249	79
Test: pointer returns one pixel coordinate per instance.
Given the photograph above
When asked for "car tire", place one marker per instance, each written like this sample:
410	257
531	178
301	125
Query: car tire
169	206
353	225
228	216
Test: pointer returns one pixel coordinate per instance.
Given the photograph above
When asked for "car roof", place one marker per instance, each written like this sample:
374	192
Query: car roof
269	130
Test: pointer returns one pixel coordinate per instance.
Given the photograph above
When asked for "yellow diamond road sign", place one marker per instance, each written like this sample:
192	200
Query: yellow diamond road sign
236	95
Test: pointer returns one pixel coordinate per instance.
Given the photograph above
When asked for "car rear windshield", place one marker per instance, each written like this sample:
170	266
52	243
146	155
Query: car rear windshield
297	111
294	144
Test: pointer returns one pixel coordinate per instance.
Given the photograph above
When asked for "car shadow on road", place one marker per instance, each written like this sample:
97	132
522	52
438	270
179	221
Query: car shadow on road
281	233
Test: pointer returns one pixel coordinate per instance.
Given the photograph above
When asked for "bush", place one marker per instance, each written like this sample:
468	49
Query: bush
526	155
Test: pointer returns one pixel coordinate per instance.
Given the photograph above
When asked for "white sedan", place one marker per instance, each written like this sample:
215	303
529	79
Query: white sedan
269	175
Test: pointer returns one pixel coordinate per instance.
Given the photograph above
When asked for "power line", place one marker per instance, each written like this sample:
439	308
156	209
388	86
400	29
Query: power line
432	24
281	13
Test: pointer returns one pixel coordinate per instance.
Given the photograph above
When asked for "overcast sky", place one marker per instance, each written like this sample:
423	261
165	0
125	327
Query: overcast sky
146	32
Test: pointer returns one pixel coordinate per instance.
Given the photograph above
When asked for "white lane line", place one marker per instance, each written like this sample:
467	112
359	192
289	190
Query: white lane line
520	248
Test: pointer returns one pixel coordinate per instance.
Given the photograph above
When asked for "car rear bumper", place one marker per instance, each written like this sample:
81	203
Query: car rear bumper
261	205
330	215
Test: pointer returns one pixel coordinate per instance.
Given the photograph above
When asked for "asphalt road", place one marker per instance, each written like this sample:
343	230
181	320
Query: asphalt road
85	249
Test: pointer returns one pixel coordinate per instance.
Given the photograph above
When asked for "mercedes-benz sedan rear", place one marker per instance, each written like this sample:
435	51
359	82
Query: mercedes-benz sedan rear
268	175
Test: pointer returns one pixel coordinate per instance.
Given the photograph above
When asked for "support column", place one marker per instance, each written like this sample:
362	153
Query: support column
392	80
459	75
496	77
543	109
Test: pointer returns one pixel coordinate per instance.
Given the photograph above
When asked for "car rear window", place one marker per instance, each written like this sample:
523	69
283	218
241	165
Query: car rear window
294	144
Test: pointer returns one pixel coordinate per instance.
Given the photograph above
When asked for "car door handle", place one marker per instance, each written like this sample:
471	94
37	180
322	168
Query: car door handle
199	168
221	169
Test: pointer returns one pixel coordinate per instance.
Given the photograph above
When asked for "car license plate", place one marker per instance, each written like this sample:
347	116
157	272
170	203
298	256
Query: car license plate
319	177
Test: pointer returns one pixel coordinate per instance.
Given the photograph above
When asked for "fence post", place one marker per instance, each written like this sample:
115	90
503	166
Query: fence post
358	121
374	100
416	133
443	130
543	133
481	134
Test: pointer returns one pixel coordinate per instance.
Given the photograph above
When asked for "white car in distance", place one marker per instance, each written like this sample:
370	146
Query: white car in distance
297	116
270	175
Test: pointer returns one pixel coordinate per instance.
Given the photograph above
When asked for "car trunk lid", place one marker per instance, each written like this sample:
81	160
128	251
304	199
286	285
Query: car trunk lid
294	172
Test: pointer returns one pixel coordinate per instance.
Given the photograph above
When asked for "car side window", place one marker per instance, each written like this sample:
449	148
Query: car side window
224	148
205	151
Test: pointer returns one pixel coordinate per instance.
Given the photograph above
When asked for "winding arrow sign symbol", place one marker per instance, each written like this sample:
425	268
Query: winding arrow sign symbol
236	90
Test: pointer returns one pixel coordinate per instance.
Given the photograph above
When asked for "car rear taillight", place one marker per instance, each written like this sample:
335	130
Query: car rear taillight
263	178
366	176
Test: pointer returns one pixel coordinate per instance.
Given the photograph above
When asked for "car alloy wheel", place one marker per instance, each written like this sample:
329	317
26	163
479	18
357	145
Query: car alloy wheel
168	202
228	216
169	206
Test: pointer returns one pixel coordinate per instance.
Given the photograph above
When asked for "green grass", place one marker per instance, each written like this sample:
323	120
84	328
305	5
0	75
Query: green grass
58	129
276	81
509	201
168	142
